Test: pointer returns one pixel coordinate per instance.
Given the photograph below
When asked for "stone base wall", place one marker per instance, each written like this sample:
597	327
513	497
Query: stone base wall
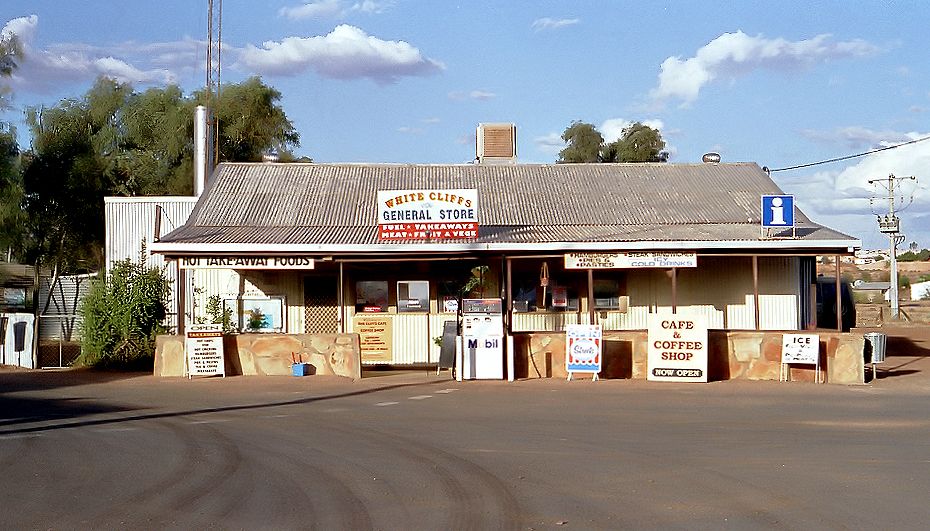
731	355
270	354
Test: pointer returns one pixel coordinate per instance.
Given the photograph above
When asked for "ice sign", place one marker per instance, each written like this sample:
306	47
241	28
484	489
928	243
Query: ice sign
778	211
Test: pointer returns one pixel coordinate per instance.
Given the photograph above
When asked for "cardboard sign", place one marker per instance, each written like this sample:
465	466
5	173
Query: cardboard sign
203	344
583	348
677	347
800	348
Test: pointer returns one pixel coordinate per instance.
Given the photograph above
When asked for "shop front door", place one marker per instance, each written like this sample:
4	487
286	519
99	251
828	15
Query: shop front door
321	308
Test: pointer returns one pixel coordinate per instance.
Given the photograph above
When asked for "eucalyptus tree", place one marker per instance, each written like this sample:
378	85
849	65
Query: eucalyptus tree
637	143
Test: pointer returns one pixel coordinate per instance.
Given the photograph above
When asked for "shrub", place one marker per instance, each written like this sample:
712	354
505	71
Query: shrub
218	314
122	314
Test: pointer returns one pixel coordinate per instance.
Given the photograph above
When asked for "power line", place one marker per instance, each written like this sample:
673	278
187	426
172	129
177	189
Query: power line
847	157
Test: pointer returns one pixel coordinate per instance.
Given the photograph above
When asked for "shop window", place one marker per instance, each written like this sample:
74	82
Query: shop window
260	314
371	296
606	294
412	296
528	296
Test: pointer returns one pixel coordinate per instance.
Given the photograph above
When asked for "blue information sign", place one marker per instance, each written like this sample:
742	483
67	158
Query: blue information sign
778	211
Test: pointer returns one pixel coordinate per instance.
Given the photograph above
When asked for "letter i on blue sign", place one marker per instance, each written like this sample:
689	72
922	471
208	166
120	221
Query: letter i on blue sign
777	210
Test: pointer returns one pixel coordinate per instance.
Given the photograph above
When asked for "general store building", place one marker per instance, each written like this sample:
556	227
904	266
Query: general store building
313	251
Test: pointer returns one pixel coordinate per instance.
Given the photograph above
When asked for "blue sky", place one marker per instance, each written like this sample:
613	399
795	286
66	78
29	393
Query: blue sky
777	83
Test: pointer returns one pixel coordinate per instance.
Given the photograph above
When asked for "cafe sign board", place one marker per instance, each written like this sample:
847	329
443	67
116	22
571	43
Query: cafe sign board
629	260
375	335
428	214
203	345
246	262
677	347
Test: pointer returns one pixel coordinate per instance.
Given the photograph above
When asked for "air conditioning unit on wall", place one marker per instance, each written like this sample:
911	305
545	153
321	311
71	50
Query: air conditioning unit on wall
497	143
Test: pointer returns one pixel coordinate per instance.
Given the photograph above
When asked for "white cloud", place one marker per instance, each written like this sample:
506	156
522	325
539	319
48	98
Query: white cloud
733	54
551	143
547	23
44	70
843	199
333	8
612	128
481	95
320	9
372	7
857	137
345	53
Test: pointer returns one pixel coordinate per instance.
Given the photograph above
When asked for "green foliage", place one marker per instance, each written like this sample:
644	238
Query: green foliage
923	278
11	191
865	276
904	282
637	143
256	320
911	256
584	143
252	123
218	314
115	141
122	314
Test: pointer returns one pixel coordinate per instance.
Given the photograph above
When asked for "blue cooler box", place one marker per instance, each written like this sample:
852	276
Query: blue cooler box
300	369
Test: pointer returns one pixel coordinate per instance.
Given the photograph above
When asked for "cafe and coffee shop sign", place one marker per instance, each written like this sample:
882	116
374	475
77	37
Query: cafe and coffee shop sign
428	214
677	350
629	260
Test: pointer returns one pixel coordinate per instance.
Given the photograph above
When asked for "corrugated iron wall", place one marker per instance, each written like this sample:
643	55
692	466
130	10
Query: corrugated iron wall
59	321
131	220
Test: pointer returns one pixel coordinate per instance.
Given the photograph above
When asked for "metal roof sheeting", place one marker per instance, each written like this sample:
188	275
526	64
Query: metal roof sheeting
335	204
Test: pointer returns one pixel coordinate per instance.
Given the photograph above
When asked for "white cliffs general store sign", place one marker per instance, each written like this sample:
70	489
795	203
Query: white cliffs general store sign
427	214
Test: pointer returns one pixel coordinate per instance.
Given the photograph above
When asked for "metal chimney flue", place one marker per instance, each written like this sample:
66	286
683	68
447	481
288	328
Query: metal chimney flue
203	149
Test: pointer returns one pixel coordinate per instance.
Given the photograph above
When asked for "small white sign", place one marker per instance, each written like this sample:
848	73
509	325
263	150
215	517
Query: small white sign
800	348
203	344
677	347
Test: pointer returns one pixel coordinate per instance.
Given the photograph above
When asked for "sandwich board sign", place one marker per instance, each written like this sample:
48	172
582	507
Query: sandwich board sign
583	350
802	349
203	345
677	347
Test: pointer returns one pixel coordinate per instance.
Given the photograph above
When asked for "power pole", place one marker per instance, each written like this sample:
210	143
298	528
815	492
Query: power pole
890	224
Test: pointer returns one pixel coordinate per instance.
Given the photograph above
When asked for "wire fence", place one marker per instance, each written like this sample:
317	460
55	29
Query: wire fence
59	340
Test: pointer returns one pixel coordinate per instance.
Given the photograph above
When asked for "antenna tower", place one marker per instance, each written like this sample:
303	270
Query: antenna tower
214	62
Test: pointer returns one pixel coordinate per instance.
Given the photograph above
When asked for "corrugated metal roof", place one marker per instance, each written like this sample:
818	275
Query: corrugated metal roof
335	204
